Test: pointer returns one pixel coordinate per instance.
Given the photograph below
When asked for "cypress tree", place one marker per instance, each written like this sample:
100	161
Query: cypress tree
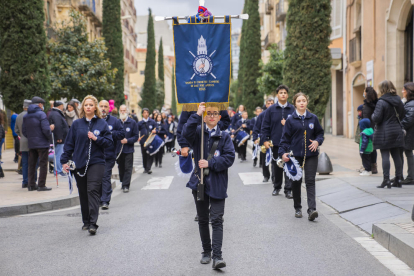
238	90
272	72
174	99
148	94
23	62
161	89
307	56
112	32
252	97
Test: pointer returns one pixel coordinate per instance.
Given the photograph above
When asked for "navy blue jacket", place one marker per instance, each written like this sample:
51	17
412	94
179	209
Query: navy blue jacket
118	133
272	127
257	128
145	128
161	129
77	142
216	182
293	135
36	128
247	123
223	124
61	130
131	134
252	123
235	119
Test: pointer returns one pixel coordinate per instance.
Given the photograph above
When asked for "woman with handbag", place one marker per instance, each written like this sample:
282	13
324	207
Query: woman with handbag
389	133
371	99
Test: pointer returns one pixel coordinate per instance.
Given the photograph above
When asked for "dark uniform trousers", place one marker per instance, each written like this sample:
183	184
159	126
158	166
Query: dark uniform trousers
146	159
311	165
265	169
106	181
159	155
212	209
279	173
34	154
125	164
90	189
242	151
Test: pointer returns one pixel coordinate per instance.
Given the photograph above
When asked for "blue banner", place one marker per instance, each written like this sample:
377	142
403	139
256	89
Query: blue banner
202	63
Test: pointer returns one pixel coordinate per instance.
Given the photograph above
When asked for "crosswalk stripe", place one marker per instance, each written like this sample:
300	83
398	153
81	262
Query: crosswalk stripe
159	183
252	178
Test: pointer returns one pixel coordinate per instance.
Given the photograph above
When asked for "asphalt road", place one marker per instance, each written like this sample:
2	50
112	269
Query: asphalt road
152	232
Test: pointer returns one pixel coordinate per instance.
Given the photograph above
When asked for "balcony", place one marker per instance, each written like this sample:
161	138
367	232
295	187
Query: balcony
269	40
281	10
90	8
355	52
268	7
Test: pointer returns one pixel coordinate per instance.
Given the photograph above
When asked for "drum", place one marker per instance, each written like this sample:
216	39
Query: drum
149	140
156	144
170	137
241	137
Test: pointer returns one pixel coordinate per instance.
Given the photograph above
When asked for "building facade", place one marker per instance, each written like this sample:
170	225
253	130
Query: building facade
235	52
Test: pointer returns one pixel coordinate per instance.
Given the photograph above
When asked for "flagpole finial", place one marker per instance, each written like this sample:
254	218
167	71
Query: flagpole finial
201	3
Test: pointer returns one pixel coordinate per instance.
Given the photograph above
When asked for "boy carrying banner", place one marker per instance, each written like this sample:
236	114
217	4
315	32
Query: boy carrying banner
220	151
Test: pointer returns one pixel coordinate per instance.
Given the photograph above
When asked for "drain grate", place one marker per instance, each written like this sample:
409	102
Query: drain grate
80	214
409	227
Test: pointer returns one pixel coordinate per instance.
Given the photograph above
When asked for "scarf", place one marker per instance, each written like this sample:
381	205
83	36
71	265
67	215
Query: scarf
71	114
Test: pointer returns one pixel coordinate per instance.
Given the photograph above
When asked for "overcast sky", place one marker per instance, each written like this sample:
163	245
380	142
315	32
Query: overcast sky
189	7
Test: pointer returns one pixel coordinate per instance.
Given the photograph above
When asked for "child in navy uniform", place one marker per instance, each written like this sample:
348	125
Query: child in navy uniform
215	182
365	145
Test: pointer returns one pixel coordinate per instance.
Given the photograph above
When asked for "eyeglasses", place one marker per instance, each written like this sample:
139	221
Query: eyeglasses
213	114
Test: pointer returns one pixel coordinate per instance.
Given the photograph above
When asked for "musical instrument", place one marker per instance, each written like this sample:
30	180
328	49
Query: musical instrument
175	152
155	145
149	140
280	163
241	137
263	148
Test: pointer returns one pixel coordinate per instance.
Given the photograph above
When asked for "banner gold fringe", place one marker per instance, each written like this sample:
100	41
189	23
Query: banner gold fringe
194	106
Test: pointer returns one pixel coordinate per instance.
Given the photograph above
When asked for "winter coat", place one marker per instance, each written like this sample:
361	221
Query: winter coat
2	133
223	124
365	144
234	120
161	129
118	133
257	128
24	143
388	131
77	142
131	134
368	110
272	127
252	123
246	122
36	128
408	124
217	181
13	124
61	130
70	117
145	128
293	135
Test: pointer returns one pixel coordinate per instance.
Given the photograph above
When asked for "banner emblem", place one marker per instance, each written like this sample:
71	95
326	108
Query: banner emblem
202	65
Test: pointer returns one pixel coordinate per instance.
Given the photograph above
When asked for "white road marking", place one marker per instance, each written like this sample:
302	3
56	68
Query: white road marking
252	178
159	183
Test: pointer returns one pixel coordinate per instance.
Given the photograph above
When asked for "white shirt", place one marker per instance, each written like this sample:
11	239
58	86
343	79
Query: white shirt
90	119
210	130
304	114
145	120
282	105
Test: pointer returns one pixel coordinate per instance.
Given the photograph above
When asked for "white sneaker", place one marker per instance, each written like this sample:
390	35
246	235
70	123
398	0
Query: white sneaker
365	173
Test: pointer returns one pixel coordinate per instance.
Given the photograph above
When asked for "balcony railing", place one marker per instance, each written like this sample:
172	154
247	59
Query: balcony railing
281	10
268	7
355	51
87	5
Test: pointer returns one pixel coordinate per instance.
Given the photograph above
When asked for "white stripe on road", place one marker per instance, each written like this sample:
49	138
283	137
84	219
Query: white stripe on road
252	178
159	183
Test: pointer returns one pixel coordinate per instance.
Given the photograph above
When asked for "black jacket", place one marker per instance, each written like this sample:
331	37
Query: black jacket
36	128
388	131
61	130
368	110
408	124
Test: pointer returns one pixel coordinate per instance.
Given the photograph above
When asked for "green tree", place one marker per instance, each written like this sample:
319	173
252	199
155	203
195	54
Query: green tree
174	97
234	88
148	93
24	71
238	96
160	82
272	72
252	97
112	32
78	67
307	56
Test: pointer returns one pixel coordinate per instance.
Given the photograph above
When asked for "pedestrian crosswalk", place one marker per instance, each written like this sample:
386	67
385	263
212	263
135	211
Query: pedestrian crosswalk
252	178
159	183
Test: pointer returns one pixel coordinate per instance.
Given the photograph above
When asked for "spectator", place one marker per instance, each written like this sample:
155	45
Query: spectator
389	136
365	146
371	99
408	124
71	113
114	112
77	103
5	124
15	137
37	130
24	147
2	135
60	130
134	116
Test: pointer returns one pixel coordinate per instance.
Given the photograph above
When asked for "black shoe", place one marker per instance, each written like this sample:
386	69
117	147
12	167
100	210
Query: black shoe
92	229
24	186
16	160
30	188
276	192
255	163
1	172
397	183
160	166
156	164
85	227
298	213
385	183
125	189
289	195
266	179
392	180
19	172
44	189
105	206
313	214
149	172
407	181
196	218
218	263
205	257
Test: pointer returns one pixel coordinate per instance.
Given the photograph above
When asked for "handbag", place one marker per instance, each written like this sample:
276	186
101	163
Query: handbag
398	118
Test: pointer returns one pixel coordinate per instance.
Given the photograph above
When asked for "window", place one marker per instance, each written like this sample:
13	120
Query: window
336	19
48	13
142	72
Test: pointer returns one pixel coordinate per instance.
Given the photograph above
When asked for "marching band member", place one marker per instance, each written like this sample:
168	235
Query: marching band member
243	124
303	135
118	133
257	135
145	128
218	163
161	131
170	132
85	145
251	128
233	128
125	148
272	129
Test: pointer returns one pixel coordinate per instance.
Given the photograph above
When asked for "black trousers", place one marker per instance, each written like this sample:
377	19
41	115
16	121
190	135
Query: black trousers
34	154
90	189
16	145
242	151
106	181
265	169
386	164
159	155
279	173
125	164
212	209
366	161
146	159
311	165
